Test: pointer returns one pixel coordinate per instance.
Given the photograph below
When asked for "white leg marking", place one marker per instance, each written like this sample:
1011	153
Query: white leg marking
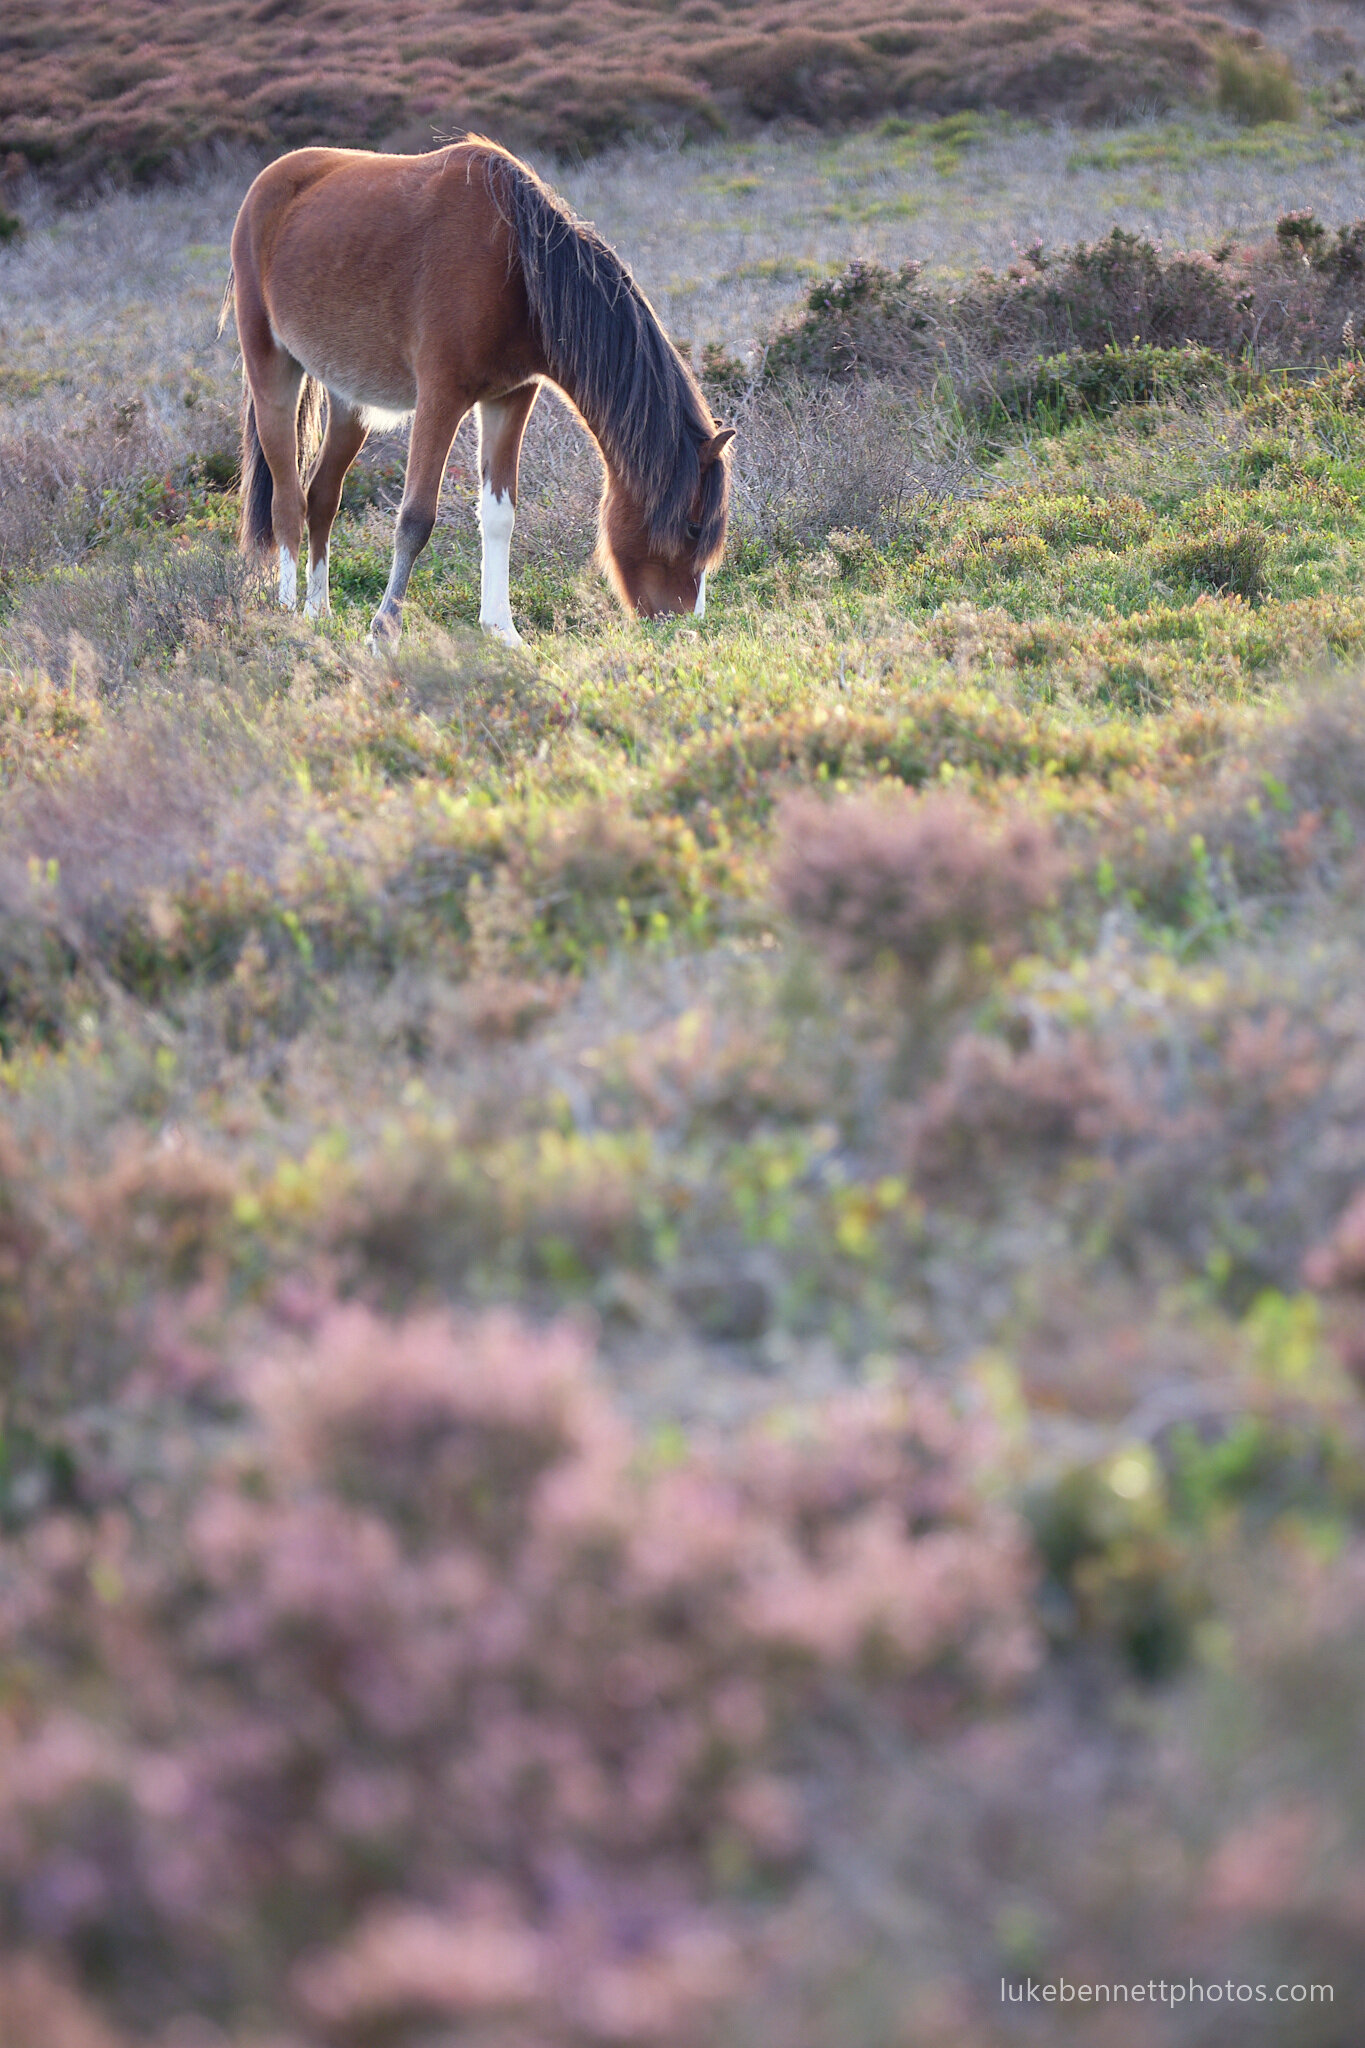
497	516
289	581
318	603
701	596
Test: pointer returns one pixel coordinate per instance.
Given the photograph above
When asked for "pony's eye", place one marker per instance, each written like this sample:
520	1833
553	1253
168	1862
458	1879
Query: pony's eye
694	529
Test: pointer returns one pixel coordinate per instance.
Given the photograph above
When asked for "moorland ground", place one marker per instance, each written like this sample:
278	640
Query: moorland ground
896	1049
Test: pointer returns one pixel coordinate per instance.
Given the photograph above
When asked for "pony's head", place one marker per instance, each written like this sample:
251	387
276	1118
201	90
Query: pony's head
655	571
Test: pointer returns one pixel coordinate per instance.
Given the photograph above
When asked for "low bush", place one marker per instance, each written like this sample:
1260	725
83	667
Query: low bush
927	884
1230	559
996	1108
1097	382
846	457
79	475
138	610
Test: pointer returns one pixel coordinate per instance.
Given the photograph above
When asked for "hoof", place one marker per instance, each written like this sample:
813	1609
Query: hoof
385	630
317	611
503	630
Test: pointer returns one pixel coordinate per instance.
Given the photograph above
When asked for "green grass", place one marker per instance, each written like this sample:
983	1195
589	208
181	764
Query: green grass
1181	146
1228	581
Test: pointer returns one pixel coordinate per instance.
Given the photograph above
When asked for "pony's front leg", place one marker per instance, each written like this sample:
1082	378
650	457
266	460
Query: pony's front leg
433	431
497	517
502	423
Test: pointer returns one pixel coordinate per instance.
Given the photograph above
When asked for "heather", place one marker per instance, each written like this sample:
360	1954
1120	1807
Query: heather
471	1687
680	1311
129	94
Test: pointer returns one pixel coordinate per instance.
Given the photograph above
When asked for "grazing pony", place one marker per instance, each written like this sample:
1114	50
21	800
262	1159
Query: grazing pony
419	286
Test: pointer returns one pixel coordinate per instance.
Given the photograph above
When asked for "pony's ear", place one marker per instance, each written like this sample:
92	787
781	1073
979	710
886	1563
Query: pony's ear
712	450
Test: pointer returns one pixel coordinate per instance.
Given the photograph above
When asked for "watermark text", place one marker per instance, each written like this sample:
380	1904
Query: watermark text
1162	1991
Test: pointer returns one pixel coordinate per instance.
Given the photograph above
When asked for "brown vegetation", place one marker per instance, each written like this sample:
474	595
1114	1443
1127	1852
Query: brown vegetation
134	92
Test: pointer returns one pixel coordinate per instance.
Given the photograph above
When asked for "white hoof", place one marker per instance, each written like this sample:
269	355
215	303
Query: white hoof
504	630
317	603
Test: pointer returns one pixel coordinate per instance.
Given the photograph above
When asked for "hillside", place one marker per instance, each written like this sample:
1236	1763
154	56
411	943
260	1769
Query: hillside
139	90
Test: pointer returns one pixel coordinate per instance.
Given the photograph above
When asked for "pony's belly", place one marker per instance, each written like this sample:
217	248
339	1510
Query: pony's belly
383	396
377	417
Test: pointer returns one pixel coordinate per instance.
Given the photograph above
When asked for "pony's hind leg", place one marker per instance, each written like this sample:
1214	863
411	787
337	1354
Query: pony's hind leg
272	498
276	384
433	430
344	440
502	422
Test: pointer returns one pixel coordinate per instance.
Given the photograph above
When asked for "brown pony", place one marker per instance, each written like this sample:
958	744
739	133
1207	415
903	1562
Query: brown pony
420	286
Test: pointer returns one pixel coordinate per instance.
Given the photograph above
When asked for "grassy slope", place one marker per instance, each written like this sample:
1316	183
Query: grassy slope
471	981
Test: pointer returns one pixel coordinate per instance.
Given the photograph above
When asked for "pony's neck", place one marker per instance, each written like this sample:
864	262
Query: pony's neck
605	349
596	417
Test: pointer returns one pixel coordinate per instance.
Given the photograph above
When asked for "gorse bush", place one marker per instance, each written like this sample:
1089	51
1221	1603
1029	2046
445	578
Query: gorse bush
1094	383
1087	329
444	1704
1255	85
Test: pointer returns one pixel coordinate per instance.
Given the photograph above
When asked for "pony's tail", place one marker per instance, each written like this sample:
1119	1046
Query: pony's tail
258	487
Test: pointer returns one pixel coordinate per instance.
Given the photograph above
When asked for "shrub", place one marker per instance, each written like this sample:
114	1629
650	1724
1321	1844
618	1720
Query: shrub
1255	85
1301	232
865	318
997	1109
136	610
433	1701
1097	382
1280	818
1086	329
1231	559
847	457
924	883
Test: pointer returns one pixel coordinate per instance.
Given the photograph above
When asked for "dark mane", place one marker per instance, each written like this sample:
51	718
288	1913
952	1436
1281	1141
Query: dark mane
604	345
